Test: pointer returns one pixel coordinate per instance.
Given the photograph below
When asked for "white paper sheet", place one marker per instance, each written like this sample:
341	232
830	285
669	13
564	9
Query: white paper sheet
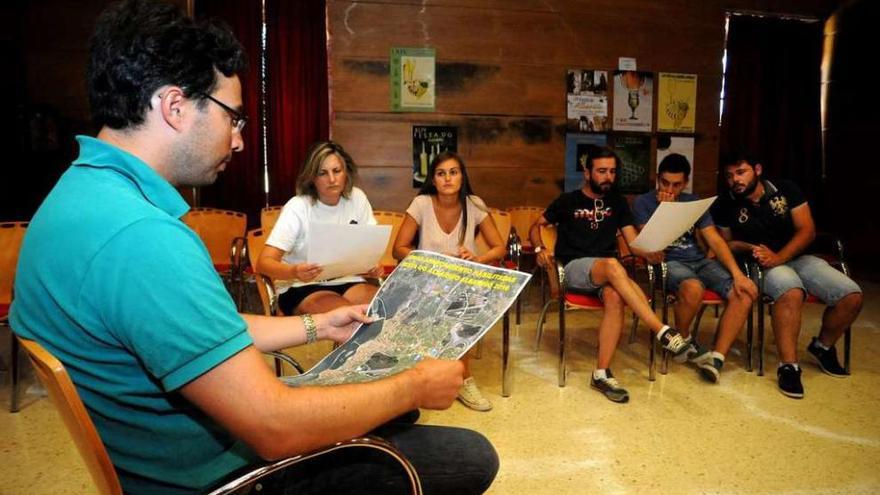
669	222
346	249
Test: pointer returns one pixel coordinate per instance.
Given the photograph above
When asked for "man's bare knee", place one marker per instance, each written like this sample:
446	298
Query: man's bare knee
690	292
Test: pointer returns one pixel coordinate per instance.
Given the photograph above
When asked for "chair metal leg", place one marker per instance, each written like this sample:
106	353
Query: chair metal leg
561	344
696	328
519	307
760	337
540	331
15	370
750	328
505	355
652	353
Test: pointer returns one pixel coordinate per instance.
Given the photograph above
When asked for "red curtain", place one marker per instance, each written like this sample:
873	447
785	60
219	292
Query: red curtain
771	105
240	187
298	102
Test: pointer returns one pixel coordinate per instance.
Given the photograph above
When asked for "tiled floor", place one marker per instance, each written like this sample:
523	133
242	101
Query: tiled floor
677	434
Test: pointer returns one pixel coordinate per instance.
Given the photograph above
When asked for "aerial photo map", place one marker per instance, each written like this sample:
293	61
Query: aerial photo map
431	305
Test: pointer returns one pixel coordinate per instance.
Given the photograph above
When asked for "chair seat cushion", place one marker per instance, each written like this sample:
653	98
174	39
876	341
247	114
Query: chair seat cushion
583	300
710	296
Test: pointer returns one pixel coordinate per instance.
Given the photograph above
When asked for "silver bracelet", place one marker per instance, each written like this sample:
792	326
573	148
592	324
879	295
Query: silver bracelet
311	328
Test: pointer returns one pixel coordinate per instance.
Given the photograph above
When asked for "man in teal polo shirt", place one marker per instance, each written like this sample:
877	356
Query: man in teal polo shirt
124	294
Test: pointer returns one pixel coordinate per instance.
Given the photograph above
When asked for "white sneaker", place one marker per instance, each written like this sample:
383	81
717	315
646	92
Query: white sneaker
471	396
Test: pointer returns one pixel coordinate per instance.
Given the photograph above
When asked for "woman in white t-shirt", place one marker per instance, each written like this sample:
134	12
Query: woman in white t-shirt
325	194
446	216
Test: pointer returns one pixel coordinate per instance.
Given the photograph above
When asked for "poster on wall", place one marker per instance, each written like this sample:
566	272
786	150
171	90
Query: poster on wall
633	100
667	145
676	102
428	142
413	79
635	153
587	100
577	151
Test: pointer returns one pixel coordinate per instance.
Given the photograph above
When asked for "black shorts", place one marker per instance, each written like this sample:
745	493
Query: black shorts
292	297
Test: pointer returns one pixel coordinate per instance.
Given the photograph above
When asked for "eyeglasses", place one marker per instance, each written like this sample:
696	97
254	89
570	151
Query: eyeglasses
238	119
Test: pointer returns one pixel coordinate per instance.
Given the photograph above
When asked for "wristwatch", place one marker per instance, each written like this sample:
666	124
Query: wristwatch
538	249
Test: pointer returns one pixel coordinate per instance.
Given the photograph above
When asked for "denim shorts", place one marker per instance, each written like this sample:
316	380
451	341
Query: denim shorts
812	275
577	276
711	274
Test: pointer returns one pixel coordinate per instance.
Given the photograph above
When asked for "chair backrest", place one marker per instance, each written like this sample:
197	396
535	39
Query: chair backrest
395	220
256	241
268	217
63	394
11	235
502	222
548	239
217	229
522	218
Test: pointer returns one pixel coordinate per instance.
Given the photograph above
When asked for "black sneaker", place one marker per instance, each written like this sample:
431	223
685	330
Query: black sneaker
710	369
610	387
790	381
694	353
827	359
673	342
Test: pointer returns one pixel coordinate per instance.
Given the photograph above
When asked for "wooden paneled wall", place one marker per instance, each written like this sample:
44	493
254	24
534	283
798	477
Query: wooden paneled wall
501	68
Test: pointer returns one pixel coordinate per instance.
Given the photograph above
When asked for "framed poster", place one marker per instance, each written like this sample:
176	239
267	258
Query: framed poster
413	80
577	152
633	101
676	102
635	153
428	142
586	100
667	145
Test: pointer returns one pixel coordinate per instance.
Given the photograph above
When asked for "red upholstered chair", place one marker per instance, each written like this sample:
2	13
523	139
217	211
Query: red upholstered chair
825	246
568	300
710	299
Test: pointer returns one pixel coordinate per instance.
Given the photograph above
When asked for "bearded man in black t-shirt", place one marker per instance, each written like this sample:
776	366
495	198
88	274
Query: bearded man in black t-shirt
587	222
771	223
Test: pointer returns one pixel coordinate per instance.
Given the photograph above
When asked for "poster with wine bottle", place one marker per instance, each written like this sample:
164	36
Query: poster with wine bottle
428	142
633	101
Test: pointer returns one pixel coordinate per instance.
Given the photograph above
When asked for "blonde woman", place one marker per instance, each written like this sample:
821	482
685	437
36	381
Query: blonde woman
325	194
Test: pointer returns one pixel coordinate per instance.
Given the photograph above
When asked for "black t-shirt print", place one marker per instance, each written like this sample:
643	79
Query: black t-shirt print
766	222
587	227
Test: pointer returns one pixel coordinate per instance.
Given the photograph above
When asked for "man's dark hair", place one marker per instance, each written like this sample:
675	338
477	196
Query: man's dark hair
141	45
736	157
597	152
675	164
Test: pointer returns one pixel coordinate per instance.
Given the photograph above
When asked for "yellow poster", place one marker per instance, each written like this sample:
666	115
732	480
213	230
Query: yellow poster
676	102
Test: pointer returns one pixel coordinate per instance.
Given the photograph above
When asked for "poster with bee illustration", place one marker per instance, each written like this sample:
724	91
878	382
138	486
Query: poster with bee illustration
413	79
676	102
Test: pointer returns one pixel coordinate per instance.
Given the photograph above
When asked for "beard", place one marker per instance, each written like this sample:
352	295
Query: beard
194	167
600	187
748	190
